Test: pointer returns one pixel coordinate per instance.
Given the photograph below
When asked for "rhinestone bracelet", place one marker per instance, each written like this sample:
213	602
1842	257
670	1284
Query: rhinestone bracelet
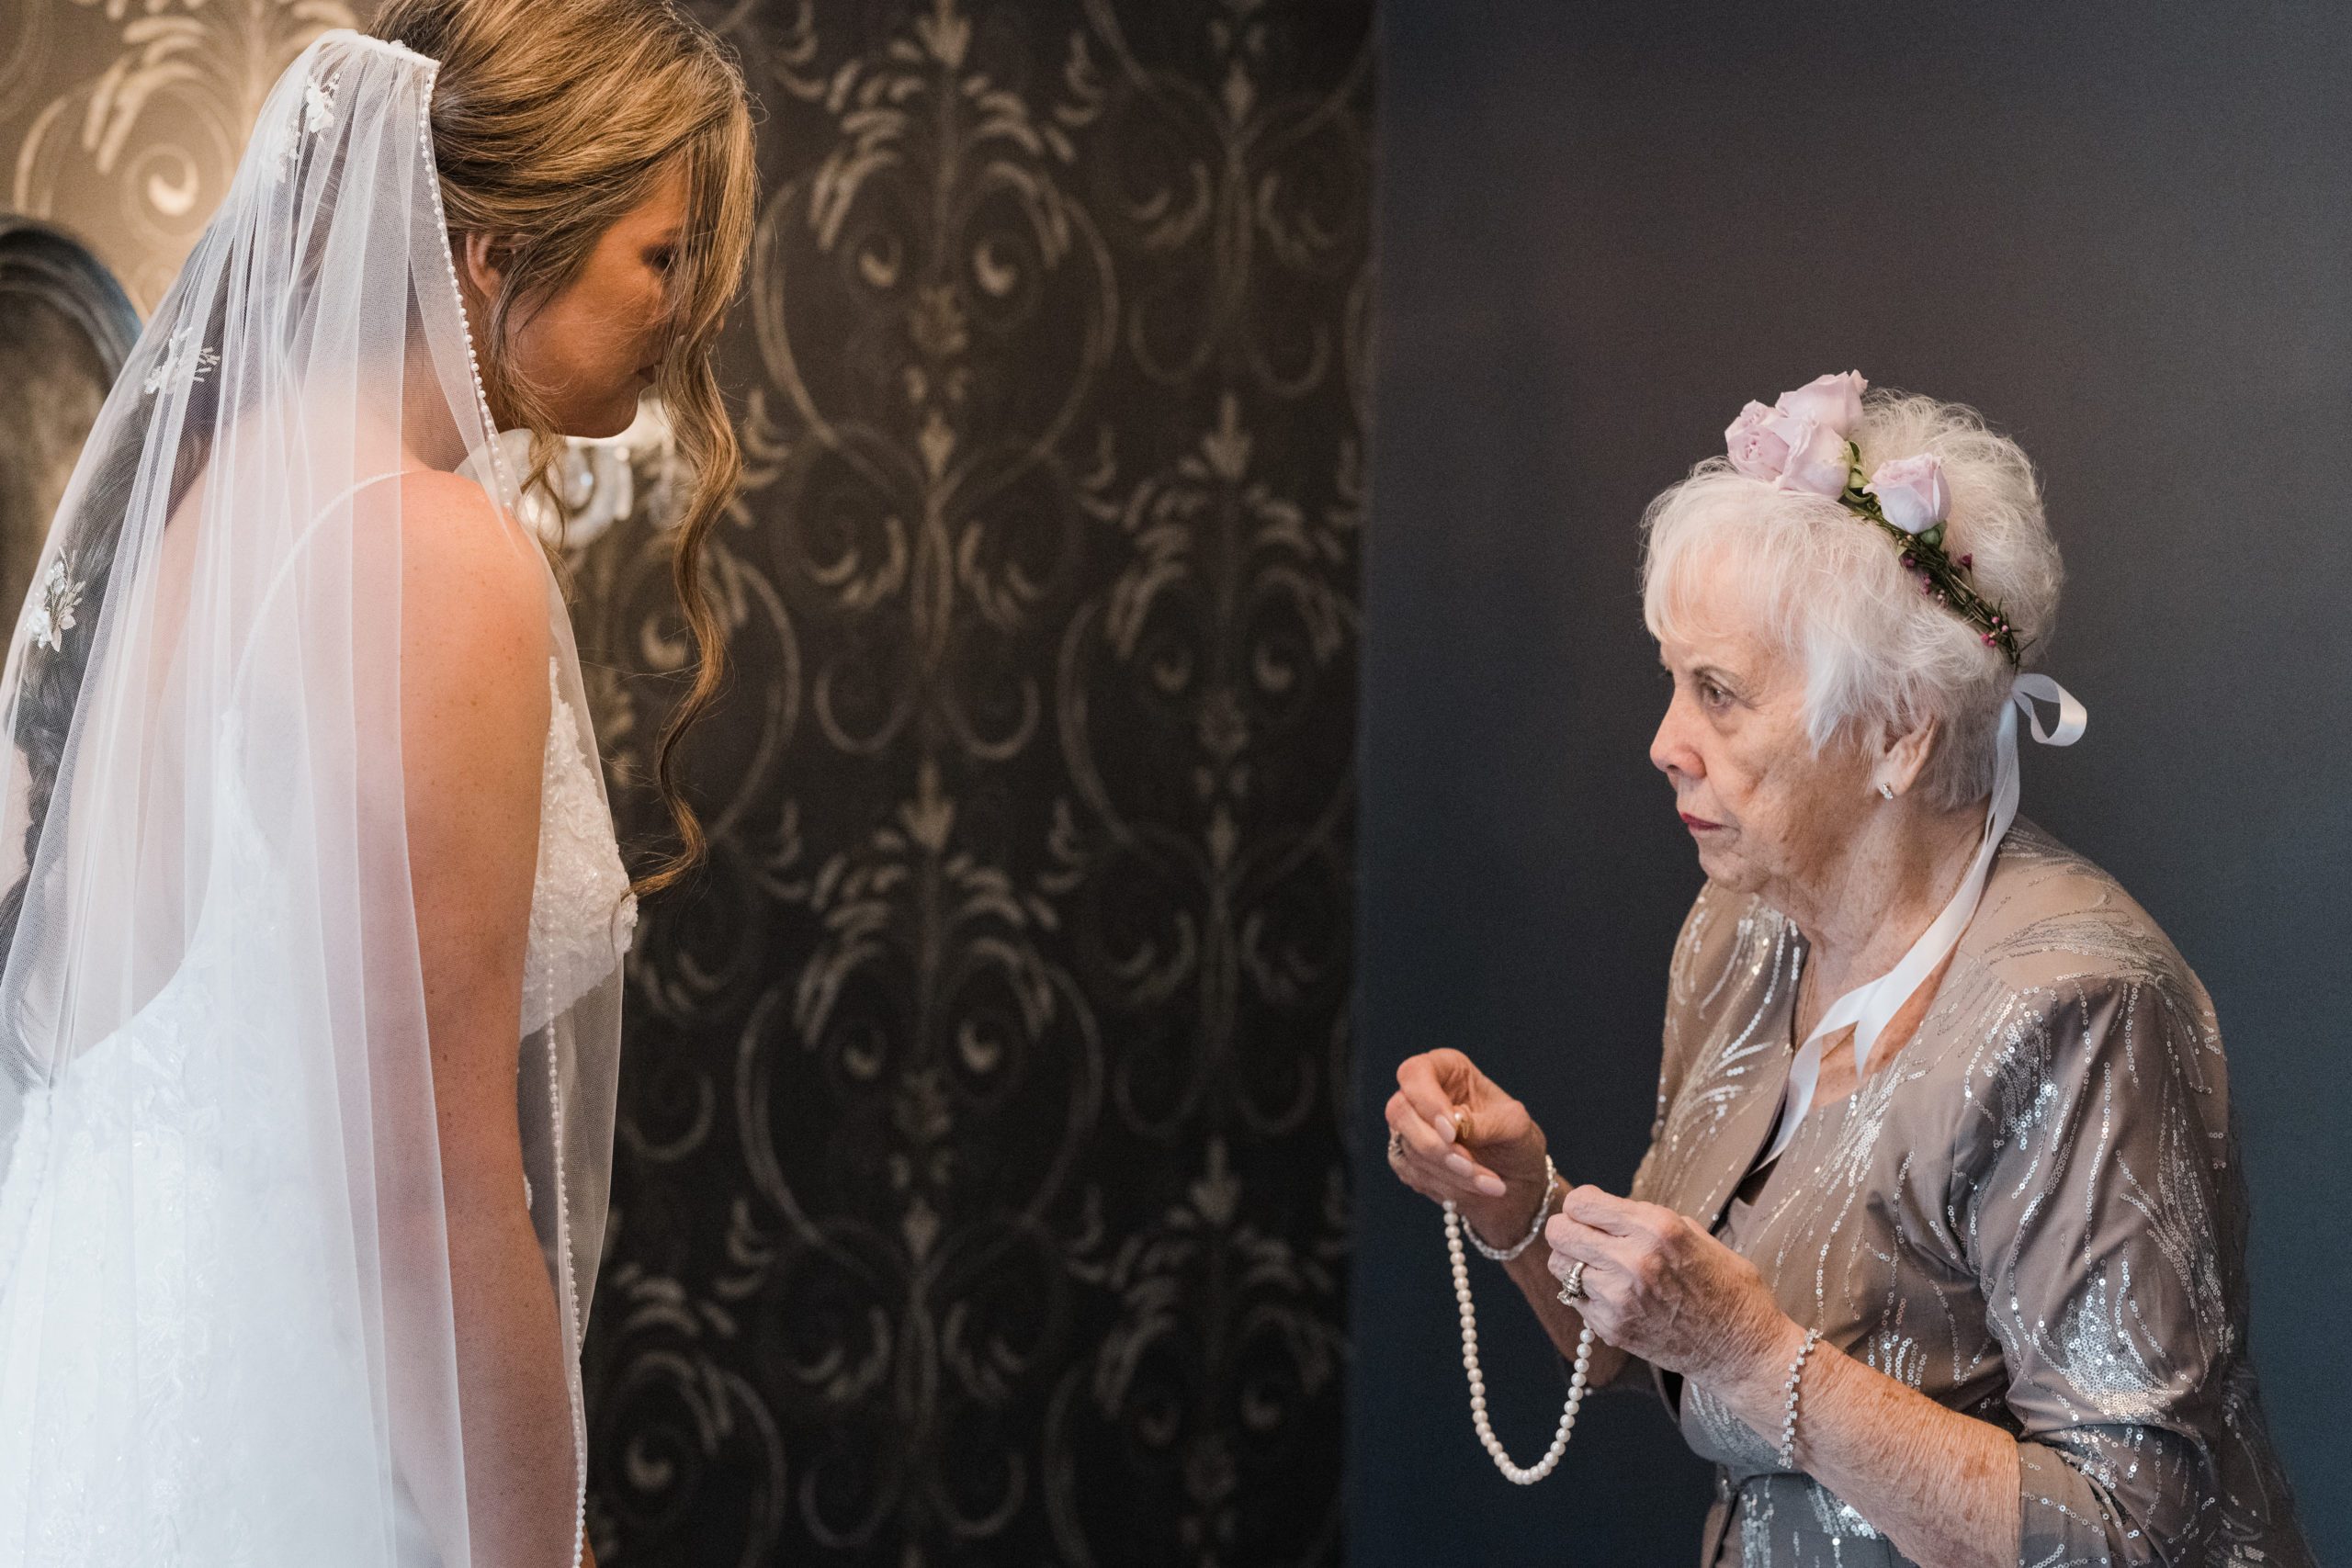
1543	1212
1788	1420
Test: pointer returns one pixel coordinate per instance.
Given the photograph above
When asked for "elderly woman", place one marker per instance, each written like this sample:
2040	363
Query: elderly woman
1939	1248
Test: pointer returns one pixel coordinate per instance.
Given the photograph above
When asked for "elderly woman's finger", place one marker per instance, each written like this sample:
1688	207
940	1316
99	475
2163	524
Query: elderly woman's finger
1421	1137
1439	1182
1435	1159
1607	1212
1480	1179
1433	1083
1571	1241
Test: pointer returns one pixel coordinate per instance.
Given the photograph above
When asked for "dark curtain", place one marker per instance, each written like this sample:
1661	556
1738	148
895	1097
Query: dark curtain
979	1191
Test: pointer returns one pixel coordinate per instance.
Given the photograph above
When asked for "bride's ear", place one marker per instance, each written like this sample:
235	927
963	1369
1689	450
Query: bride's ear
482	265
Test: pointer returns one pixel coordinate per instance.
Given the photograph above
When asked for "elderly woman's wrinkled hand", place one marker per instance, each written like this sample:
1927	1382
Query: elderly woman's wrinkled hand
1657	1286
1456	1136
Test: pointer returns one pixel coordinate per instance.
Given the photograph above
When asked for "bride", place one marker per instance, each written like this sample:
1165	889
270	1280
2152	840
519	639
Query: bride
310	1009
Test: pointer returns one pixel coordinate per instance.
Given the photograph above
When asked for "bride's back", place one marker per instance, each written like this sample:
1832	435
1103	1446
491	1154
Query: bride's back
287	707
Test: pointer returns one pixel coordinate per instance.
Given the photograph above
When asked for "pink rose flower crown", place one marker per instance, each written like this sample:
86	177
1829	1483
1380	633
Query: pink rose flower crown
1805	442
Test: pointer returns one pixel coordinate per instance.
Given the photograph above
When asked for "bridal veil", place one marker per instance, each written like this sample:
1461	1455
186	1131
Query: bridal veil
225	1324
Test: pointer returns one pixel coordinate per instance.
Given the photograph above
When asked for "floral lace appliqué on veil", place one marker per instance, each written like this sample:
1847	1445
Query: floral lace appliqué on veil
50	614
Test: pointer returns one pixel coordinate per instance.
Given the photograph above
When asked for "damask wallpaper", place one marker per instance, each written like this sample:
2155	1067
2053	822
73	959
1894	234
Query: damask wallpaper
122	120
979	1195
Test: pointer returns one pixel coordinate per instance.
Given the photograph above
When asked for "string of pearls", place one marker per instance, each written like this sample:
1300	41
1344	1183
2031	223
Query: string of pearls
1513	1473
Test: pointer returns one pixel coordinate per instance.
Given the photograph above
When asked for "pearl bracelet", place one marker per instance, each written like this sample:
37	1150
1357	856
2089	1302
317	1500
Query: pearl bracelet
1543	1212
1788	1420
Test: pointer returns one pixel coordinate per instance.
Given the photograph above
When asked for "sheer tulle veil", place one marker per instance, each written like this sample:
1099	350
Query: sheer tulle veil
225	1324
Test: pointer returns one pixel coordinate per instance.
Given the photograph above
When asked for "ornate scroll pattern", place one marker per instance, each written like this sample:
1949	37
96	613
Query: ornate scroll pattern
146	109
980	1194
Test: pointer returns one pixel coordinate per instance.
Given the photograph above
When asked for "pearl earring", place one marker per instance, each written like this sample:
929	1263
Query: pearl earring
1886	790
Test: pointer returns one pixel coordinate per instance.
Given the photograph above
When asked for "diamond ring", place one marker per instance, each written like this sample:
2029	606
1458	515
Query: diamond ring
1572	1287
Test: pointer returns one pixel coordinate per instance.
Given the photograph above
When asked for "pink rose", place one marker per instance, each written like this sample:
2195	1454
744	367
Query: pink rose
1834	402
1911	491
1819	460
1754	450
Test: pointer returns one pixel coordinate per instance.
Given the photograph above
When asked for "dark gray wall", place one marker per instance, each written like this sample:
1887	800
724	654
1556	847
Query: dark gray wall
2120	229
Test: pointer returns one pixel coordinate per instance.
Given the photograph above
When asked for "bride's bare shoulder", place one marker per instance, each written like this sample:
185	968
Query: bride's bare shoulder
459	548
445	514
473	587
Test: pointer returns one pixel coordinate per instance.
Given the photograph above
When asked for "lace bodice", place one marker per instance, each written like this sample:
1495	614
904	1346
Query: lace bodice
583	914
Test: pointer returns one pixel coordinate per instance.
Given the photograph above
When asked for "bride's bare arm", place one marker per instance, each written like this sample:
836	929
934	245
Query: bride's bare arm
474	713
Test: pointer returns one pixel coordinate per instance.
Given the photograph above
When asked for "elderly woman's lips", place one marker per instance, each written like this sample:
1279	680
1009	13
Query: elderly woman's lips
1698	824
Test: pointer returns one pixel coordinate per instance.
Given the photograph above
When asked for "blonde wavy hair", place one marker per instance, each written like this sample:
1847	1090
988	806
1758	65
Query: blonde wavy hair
552	119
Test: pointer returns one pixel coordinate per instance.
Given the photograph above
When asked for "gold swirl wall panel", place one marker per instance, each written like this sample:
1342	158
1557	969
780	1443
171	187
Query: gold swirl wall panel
981	1195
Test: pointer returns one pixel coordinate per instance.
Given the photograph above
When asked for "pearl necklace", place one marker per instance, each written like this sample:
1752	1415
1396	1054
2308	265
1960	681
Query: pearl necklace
1551	1459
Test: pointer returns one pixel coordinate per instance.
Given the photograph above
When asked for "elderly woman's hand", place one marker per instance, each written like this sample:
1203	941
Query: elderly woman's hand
1456	1136
1658	1286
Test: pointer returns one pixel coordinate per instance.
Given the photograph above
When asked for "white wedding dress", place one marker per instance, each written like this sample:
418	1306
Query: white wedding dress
228	1334
239	1349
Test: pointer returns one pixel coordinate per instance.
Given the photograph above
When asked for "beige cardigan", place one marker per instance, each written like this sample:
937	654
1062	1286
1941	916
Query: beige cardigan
2034	1214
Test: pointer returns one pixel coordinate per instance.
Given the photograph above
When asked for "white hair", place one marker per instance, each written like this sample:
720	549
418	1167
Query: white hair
1832	587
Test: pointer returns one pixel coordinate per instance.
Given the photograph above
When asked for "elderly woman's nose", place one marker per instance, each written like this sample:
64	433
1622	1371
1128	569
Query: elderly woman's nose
1670	753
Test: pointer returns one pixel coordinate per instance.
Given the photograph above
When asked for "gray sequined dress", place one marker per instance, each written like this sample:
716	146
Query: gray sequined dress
2035	1214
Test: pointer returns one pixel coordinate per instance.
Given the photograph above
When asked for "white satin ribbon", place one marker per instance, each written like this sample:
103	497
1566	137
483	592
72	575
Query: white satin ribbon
1870	1007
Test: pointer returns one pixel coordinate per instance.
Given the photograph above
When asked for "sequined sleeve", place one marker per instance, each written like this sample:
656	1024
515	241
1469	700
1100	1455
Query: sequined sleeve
1716	942
2092	1206
1707	951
